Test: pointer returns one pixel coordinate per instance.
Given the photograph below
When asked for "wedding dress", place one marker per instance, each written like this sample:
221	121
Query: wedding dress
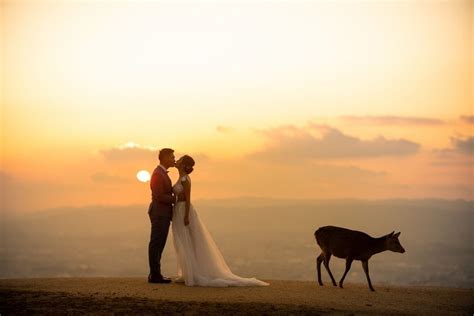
200	263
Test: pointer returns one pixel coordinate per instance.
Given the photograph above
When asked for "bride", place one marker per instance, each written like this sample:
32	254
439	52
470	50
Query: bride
200	263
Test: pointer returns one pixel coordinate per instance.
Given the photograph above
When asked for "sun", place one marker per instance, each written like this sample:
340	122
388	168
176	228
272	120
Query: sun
143	176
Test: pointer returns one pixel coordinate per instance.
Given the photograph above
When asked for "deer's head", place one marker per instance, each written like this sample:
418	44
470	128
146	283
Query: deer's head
392	242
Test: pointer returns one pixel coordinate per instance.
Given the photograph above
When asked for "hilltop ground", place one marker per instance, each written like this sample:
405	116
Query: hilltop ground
135	295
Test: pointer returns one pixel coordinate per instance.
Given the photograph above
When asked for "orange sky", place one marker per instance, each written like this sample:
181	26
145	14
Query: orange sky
292	100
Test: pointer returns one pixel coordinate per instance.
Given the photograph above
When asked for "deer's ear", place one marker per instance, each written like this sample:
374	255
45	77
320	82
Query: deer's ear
396	235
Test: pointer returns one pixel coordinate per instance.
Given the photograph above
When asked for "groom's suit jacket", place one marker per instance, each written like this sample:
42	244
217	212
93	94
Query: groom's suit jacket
162	198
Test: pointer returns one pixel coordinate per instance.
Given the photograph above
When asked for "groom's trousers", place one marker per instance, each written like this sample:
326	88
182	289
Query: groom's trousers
160	226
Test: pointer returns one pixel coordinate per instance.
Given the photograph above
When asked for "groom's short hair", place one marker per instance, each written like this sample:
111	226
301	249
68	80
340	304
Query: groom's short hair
165	152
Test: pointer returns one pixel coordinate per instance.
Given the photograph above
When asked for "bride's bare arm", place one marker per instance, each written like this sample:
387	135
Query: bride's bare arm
187	194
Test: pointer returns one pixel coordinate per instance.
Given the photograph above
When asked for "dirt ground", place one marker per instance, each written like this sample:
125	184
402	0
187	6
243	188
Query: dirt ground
107	296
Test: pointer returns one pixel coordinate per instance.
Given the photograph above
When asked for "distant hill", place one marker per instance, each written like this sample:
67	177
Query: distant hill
268	238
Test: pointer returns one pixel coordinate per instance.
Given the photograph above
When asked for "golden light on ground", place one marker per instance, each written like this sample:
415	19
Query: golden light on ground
143	176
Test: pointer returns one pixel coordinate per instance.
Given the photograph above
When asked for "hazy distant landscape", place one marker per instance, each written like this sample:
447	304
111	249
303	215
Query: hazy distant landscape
269	239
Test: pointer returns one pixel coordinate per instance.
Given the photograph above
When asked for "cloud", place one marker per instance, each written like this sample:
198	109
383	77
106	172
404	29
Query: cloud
392	120
198	158
290	143
130	152
459	155
25	194
294	179
6	181
468	118
224	129
103	177
344	173
463	145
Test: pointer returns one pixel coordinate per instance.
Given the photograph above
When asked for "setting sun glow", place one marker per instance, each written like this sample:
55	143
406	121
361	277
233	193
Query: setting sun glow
143	176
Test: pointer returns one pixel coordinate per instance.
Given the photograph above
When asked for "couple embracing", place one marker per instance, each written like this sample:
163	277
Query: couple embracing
200	263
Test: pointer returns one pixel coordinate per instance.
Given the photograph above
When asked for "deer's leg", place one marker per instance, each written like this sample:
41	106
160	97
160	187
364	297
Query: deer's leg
348	267
319	260
365	265
327	257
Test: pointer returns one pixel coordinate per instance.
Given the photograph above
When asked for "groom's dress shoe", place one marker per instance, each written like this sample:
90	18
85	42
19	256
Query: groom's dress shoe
161	280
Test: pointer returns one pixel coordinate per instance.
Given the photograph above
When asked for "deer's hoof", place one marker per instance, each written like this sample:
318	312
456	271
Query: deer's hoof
340	285
320	283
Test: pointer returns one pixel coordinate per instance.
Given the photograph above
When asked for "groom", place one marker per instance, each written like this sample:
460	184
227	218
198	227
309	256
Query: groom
160	212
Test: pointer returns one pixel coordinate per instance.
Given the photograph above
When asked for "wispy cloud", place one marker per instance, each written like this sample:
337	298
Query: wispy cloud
26	194
392	120
224	129
460	154
463	145
467	118
290	142
130	152
104	177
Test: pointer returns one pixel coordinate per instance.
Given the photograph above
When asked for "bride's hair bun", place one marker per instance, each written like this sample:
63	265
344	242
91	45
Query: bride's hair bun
188	163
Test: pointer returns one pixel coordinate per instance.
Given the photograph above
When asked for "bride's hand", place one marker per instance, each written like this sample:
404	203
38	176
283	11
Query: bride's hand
186	221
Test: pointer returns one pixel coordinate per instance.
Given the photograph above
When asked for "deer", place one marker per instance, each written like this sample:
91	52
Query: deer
351	245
